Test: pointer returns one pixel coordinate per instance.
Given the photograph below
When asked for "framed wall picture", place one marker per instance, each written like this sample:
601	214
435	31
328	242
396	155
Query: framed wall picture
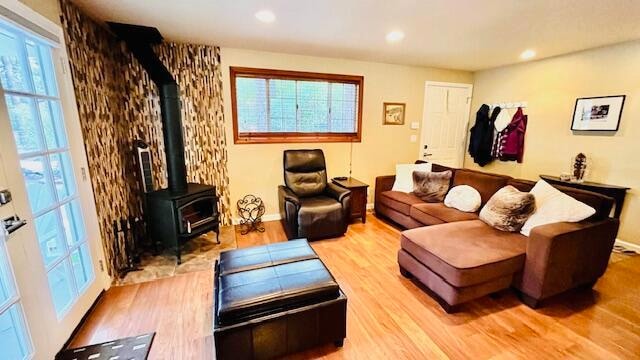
598	113
393	114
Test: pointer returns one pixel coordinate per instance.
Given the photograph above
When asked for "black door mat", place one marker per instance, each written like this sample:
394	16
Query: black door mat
130	348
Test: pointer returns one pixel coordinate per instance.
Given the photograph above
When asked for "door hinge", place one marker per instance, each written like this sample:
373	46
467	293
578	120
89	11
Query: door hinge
101	265
63	65
83	172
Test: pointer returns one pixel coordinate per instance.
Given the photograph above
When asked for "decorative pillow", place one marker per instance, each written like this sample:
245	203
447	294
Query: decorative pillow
464	198
508	209
404	176
431	186
554	206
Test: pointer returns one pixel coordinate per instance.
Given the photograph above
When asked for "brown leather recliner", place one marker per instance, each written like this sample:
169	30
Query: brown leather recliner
310	206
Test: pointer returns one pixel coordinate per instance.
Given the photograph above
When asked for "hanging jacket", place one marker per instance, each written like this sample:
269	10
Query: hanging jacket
482	135
510	141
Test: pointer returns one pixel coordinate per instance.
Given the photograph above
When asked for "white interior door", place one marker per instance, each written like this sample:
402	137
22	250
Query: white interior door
444	122
56	256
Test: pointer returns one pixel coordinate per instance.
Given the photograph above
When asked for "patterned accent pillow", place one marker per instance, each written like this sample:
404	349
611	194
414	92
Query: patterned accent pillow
508	209
431	186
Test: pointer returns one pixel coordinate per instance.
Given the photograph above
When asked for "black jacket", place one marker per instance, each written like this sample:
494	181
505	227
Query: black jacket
481	139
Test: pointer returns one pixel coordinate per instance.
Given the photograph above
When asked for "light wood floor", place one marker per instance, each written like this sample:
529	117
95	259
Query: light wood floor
390	317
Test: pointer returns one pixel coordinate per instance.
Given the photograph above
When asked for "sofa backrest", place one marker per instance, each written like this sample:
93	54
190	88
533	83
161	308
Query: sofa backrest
601	203
487	184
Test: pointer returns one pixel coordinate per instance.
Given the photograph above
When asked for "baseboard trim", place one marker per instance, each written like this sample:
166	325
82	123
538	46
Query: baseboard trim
265	217
276	216
628	245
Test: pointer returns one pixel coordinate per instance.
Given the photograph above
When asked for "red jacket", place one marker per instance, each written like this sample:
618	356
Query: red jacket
510	141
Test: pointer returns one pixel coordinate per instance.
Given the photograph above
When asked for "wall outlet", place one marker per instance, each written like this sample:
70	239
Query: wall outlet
415	125
414	138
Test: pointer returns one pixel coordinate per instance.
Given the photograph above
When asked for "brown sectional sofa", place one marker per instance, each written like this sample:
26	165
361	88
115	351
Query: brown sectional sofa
460	258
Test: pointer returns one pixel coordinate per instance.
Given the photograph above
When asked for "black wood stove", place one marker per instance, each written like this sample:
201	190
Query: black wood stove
183	210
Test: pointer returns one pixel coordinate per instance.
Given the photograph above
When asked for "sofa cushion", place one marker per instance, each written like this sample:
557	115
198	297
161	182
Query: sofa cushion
440	212
466	253
508	209
399	201
431	186
486	184
464	198
602	203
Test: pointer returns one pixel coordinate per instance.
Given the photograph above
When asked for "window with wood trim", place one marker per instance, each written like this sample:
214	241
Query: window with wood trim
276	106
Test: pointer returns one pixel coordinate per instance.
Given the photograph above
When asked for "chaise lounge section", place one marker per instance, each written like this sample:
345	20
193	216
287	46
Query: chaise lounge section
460	258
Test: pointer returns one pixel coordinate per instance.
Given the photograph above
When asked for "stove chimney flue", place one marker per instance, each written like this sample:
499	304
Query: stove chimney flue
139	40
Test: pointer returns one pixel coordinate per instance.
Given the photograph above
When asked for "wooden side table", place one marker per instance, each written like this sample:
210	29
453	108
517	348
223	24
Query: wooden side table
358	197
616	192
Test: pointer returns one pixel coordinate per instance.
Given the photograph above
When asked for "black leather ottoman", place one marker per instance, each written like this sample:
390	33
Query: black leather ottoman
275	300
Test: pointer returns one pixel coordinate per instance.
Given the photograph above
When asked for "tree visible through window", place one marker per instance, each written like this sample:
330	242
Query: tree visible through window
288	106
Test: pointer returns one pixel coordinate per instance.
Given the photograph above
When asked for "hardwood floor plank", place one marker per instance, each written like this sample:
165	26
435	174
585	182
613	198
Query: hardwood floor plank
390	317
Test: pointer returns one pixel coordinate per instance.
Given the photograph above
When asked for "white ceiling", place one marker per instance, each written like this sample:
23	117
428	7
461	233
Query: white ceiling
457	34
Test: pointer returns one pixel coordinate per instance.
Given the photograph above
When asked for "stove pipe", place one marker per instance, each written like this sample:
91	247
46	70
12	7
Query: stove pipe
139	40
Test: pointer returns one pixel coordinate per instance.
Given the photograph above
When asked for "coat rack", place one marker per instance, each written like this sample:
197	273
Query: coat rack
509	105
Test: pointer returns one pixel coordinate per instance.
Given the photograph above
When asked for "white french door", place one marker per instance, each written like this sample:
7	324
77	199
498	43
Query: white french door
444	123
56	256
15	341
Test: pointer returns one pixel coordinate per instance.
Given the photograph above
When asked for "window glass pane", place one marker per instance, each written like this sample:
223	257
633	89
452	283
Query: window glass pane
51	241
81	265
25	123
282	105
13	67
7	287
60	286
251	104
52	123
14	343
37	71
72	222
313	106
62	174
39	189
344	103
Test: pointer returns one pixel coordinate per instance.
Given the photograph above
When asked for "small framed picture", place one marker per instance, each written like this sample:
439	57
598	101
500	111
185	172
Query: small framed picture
393	114
598	113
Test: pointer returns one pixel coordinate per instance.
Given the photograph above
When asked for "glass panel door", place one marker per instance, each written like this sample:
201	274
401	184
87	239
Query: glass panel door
14	339
31	94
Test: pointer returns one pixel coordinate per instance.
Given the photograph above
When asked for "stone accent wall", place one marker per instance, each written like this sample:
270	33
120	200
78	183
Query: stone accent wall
118	103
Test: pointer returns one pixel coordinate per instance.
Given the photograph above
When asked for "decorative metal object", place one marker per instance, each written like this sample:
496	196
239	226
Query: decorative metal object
251	210
579	168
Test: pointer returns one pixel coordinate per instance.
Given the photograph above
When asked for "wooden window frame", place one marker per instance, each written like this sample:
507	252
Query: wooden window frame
293	137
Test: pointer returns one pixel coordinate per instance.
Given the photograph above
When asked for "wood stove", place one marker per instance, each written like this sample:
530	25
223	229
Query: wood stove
183	210
174	218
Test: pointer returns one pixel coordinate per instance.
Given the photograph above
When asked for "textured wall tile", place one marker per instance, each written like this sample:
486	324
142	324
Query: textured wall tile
118	103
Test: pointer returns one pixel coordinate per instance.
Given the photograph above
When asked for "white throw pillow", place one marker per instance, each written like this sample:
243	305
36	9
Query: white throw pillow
464	198
552	206
404	176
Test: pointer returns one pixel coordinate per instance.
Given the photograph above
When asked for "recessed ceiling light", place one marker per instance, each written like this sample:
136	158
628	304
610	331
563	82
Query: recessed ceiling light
266	16
395	36
527	54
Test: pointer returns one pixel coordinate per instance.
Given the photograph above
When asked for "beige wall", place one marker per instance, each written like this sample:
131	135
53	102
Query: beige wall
257	169
551	87
47	8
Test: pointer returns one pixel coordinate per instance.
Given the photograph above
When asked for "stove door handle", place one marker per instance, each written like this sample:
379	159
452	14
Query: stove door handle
188	227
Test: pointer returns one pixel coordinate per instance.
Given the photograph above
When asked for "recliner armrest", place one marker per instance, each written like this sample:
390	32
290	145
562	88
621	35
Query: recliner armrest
288	195
337	192
564	255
